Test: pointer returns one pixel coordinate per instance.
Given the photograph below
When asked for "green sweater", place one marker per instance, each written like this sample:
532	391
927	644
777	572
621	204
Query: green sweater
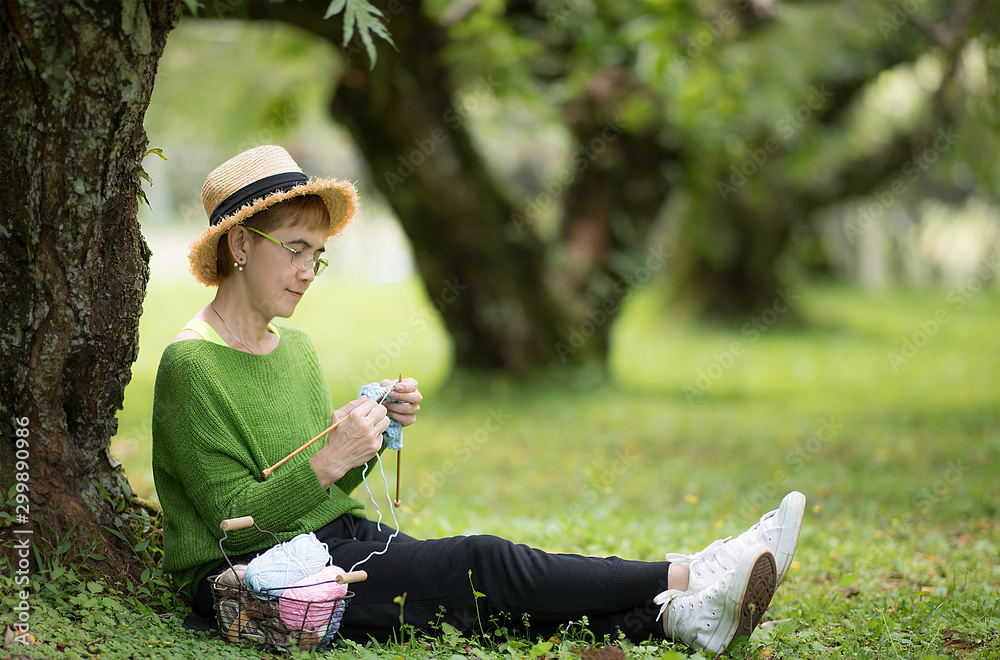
221	416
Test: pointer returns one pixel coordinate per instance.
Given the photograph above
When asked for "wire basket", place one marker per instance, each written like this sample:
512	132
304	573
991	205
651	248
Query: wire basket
264	617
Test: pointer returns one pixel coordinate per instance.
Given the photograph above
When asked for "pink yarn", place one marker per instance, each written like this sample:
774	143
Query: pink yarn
314	590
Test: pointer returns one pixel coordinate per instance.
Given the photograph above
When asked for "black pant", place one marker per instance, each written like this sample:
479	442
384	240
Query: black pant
515	580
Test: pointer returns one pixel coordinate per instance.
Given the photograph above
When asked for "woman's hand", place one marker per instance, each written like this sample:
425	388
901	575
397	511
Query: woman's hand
354	442
408	397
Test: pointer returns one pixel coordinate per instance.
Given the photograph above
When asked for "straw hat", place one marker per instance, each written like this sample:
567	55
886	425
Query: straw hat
251	182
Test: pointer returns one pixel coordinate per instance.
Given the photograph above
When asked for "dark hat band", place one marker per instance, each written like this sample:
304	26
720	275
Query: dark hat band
260	188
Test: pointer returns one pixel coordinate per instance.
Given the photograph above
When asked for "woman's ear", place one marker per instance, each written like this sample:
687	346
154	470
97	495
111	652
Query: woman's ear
238	241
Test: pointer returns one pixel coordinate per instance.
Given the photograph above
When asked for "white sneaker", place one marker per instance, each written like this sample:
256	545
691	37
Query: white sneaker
777	530
731	607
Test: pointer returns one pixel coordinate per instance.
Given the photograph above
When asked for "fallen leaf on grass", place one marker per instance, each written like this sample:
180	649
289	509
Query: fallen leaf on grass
849	592
12	638
956	641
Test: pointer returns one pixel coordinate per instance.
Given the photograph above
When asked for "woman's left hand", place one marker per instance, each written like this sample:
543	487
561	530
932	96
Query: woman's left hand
407	403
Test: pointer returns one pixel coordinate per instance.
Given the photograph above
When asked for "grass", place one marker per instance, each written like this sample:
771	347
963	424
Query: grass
700	431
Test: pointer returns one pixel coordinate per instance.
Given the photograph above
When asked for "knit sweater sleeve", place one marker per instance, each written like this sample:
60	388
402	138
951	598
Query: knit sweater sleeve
217	467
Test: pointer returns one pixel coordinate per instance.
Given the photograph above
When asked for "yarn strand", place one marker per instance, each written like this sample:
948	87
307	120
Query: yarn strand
395	524
364	480
394	440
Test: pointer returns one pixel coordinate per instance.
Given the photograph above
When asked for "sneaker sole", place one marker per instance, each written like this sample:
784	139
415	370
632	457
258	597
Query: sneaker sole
790	514
748	598
757	597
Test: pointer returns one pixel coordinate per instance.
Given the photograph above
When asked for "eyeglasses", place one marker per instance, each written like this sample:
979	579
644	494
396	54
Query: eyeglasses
300	259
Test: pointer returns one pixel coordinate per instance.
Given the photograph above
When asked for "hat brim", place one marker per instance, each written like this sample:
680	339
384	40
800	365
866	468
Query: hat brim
340	197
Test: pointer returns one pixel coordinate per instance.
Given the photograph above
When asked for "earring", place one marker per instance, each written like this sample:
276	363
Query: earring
238	266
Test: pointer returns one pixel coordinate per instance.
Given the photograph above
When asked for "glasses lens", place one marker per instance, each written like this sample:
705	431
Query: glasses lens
319	265
301	260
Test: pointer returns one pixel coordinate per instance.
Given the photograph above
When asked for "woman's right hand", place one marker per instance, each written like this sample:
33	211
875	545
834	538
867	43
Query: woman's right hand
357	438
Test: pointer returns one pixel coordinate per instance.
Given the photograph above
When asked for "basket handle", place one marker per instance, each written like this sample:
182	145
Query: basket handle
353	576
236	523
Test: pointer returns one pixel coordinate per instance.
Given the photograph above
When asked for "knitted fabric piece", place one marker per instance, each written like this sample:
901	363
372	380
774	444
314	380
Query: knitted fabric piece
393	435
220	417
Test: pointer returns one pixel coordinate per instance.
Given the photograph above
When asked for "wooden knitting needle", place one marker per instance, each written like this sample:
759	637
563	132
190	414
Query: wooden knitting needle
267	472
399	461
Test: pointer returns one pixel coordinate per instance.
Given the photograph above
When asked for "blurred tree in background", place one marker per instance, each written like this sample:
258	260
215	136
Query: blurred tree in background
548	157
722	130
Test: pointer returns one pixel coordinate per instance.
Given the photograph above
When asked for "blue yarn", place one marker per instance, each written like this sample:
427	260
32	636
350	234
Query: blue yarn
394	440
286	563
394	434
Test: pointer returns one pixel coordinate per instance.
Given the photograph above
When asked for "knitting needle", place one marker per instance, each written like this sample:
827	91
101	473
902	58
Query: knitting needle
399	461
267	472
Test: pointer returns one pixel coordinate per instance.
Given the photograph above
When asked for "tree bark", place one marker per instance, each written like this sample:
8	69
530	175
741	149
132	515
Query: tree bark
488	282
511	310
77	81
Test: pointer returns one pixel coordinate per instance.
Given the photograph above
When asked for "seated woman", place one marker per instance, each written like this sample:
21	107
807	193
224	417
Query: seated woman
236	392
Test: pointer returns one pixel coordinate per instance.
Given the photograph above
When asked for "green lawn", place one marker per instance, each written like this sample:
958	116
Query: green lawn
701	430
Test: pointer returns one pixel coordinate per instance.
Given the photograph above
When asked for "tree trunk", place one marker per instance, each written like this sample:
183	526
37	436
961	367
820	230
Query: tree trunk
504	305
487	281
77	81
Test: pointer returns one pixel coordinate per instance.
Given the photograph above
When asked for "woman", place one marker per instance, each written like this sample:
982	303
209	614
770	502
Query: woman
236	393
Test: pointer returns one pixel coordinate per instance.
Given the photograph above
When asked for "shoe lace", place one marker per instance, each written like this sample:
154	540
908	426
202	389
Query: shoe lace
720	556
665	598
716	559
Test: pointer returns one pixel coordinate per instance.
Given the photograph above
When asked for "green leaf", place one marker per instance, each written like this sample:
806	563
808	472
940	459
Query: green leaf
846	580
361	15
95	587
115	532
192	6
141	545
